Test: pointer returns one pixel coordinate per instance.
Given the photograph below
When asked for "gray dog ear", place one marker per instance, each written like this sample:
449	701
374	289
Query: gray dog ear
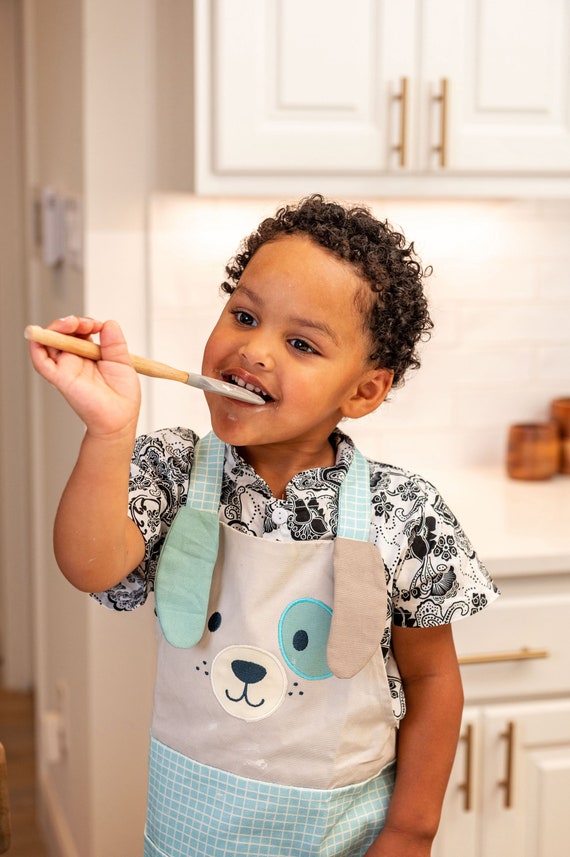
360	604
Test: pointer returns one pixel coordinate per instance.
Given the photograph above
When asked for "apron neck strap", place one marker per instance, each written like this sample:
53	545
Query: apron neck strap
205	485
205	488
189	555
354	501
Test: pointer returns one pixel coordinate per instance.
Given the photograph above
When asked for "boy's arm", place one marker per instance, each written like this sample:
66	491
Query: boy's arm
96	544
427	740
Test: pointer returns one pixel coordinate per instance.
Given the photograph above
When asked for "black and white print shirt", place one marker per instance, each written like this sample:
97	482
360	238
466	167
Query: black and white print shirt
434	575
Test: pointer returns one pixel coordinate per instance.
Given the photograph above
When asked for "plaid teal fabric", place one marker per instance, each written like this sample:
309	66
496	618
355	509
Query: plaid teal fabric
197	811
186	565
207	471
353	502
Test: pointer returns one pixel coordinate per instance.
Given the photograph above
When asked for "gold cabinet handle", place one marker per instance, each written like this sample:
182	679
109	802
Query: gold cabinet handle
402	97
442	99
524	654
507	783
467	784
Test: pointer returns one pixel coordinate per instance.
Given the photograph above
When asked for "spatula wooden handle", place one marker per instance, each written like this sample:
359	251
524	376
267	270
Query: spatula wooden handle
90	350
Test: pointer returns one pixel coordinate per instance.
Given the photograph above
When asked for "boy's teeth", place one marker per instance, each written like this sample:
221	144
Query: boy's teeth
241	383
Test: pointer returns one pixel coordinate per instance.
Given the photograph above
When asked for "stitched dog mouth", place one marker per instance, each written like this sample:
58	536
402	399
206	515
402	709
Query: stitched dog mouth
247	672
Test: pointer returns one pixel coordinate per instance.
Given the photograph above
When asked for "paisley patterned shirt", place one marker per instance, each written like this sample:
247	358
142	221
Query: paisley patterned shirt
433	573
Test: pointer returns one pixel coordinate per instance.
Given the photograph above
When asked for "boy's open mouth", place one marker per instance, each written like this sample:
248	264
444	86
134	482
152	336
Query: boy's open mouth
239	382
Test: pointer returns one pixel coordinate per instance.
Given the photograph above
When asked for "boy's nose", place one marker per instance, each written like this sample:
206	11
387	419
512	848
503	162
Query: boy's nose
257	351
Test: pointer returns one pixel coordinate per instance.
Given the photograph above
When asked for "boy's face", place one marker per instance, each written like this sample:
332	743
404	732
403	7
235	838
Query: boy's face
292	329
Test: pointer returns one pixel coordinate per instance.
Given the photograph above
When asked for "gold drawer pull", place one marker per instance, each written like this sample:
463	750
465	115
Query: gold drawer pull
523	654
402	97
507	783
467	784
443	99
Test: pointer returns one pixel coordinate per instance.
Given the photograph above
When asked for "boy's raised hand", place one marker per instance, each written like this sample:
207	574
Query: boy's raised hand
105	394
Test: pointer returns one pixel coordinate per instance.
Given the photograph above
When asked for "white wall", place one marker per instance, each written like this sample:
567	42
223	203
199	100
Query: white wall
88	70
54	158
500	298
118	121
15	576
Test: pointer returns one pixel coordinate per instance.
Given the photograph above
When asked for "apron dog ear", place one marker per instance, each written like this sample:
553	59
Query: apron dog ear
184	576
360	605
186	564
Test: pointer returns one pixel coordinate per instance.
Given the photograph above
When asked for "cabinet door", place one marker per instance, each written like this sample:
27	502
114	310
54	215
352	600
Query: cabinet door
526	780
508	72
297	87
459	828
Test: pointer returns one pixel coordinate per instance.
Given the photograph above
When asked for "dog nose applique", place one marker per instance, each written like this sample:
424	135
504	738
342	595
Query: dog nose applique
248	672
249	683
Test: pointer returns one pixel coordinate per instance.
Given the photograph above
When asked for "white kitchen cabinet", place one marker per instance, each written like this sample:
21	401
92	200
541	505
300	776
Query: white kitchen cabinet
508	79
510	785
301	87
508	792
371	96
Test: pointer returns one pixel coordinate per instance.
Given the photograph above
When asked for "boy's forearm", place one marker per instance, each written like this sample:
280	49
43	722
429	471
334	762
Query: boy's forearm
427	743
95	542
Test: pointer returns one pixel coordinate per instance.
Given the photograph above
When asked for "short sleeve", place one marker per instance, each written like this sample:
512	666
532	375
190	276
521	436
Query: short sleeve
440	578
158	486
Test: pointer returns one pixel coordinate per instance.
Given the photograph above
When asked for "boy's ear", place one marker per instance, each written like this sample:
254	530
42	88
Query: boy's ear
371	392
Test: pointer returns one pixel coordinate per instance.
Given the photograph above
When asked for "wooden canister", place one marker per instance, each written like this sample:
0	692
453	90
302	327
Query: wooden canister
560	412
533	450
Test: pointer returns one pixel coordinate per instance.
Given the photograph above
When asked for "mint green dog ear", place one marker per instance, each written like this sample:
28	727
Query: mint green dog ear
184	576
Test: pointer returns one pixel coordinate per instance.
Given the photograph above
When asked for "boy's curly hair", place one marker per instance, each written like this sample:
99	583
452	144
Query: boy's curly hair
398	319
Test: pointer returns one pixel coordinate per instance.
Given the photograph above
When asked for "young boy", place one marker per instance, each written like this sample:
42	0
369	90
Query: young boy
308	697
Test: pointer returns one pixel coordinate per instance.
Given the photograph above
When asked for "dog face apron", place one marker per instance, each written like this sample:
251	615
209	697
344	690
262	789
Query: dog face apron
273	731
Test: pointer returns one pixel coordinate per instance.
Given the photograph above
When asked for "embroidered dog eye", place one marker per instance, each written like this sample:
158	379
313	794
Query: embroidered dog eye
303	635
300	640
214	621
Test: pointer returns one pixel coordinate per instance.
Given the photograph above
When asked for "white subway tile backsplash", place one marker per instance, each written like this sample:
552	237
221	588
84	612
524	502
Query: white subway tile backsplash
516	323
178	339
417	404
499	297
472	366
428	449
492	408
447	323
486	280
553	364
554	278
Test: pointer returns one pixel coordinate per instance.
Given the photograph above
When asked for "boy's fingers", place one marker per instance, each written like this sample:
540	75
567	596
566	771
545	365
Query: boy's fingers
75	324
113	344
72	325
112	341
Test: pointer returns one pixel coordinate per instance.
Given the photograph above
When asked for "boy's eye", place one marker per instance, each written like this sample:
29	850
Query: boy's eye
301	345
243	317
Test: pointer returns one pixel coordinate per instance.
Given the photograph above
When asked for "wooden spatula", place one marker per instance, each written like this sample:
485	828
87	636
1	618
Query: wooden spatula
144	366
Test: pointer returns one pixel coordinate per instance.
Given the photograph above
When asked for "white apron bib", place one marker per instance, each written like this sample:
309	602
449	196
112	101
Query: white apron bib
260	744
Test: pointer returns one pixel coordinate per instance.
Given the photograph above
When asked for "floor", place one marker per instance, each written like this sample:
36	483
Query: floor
17	736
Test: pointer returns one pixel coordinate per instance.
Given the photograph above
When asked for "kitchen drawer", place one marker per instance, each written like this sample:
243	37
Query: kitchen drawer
535	629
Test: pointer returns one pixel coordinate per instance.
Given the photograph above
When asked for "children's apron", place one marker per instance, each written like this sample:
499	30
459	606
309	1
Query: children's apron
258	747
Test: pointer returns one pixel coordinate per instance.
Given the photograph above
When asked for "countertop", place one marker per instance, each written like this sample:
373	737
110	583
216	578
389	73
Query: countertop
517	527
